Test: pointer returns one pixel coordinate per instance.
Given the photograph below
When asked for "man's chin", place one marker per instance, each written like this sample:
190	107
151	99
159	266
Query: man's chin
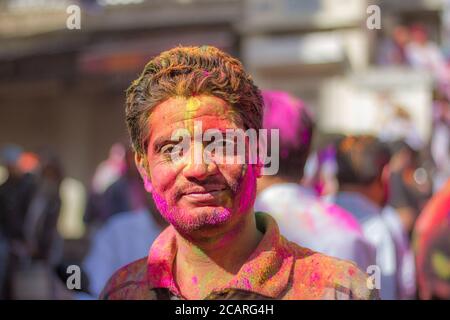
201	219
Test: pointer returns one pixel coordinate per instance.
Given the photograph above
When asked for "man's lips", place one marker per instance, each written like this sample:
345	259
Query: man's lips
207	194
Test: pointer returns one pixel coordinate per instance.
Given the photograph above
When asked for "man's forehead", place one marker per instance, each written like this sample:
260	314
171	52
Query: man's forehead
185	108
182	112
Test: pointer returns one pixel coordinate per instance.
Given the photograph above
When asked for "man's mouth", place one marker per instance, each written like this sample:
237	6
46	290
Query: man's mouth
203	194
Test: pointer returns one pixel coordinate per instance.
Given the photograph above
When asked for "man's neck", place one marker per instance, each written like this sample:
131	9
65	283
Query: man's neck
202	266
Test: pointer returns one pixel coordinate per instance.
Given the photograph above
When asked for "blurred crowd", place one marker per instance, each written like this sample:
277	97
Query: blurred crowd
372	200
121	224
380	201
412	46
30	204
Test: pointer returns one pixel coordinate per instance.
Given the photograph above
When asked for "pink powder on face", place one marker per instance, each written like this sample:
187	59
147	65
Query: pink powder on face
184	216
147	184
248	188
161	204
184	220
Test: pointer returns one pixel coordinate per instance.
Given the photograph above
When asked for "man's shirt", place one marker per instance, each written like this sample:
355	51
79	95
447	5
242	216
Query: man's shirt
277	269
376	232
310	222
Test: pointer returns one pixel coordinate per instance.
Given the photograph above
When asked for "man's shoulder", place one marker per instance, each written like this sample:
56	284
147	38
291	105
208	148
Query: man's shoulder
318	276
129	282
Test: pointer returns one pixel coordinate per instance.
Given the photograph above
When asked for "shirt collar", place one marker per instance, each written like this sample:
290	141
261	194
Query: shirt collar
266	271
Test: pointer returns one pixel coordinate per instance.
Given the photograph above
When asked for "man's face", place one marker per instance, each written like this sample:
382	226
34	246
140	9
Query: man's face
197	198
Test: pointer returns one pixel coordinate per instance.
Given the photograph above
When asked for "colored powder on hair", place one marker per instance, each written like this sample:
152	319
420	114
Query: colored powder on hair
284	112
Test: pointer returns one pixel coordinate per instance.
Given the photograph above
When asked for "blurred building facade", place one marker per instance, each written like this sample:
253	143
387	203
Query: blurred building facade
65	88
324	52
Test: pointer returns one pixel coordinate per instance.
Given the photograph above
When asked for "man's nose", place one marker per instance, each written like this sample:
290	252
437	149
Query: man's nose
197	166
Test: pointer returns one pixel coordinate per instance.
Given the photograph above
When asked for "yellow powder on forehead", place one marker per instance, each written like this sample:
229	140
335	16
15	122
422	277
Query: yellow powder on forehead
192	105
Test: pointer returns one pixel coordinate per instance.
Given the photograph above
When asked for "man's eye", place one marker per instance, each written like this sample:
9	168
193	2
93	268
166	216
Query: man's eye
173	151
168	148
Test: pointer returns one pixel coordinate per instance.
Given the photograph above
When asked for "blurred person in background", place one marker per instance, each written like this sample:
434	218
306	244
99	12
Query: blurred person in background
392	48
42	238
125	194
110	170
321	169
301	215
432	245
9	158
398	125
126	235
15	196
29	163
107	172
35	277
409	184
422	53
405	263
440	140
398	214
363	190
15	193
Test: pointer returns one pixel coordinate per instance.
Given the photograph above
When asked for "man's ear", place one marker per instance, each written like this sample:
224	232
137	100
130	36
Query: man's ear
141	165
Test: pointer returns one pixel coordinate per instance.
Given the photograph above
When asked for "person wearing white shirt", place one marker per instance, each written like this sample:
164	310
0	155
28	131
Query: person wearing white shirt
363	177
301	215
406	281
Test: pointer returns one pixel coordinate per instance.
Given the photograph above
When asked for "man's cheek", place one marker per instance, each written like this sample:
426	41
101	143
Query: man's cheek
234	175
162	179
247	187
162	206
